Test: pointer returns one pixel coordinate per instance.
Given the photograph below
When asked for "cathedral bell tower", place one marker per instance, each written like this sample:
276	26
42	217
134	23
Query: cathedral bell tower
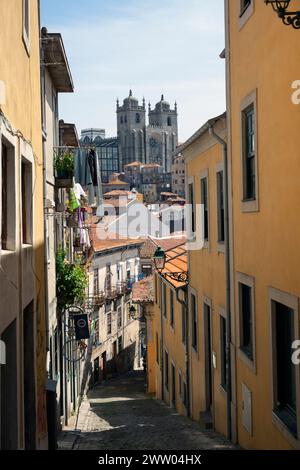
131	125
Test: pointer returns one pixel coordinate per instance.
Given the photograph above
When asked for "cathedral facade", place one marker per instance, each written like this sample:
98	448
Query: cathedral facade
152	142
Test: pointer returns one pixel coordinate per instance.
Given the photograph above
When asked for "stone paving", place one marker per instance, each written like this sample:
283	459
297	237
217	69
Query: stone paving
119	415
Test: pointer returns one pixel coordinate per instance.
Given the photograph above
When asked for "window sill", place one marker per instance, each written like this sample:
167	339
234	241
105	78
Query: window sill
7	252
249	205
26	43
282	427
221	247
250	363
246	15
206	245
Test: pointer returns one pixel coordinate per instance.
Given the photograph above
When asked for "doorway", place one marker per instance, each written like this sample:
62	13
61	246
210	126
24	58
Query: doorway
173	373
96	371
208	357
104	365
9	397
29	378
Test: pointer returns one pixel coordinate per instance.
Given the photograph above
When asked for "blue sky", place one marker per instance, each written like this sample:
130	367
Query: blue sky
153	47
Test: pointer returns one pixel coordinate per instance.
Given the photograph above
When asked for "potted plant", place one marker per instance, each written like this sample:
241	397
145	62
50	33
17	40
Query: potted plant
64	168
71	281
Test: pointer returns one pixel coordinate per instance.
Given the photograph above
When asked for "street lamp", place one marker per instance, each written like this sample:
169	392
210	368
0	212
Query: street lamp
159	259
289	18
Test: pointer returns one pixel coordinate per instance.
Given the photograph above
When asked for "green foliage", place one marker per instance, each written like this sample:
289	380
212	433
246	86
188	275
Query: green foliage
71	281
64	164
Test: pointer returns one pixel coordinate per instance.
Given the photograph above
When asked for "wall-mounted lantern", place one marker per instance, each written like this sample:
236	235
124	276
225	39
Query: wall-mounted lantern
288	17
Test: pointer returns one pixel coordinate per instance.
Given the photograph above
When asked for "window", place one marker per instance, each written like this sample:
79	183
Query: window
204	200
96	333
249	153
108	319
96	281
4	211
194	322
171	308
223	341
164	299
244	5
8	206
120	344
180	383
246	320
26	24
157	349
169	121
108	278
193	211
119	314
185	395
221	215
183	323
137	118
166	370
285	370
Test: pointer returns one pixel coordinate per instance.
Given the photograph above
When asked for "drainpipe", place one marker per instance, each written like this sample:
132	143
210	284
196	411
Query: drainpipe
44	195
162	341
184	303
227	275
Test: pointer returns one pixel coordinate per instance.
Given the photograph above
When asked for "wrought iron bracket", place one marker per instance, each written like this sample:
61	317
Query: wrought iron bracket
289	18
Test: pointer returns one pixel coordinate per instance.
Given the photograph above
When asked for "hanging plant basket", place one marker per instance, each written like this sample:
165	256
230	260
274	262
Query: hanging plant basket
64	168
63	182
72	223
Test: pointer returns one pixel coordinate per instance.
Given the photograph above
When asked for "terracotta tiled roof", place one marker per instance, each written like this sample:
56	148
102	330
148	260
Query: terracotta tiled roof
133	164
116	183
178	265
100	244
168	194
116	193
150	245
151	165
143	291
103	240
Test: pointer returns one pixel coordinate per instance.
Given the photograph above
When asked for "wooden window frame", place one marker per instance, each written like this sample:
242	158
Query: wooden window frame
252	204
204	176
245	13
249	281
220	241
292	302
26	25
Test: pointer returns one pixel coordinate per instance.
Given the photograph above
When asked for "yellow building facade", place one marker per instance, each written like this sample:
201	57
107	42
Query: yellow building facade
203	156
262	64
22	316
169	338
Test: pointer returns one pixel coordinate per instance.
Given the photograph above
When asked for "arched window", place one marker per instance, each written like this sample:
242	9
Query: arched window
121	120
137	118
169	121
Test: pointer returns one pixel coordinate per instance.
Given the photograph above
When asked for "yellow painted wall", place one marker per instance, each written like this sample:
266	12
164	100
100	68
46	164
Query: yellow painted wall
207	277
172	343
151	349
20	73
264	55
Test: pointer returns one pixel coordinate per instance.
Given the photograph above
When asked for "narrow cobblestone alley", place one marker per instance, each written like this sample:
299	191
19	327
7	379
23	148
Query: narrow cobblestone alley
120	415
